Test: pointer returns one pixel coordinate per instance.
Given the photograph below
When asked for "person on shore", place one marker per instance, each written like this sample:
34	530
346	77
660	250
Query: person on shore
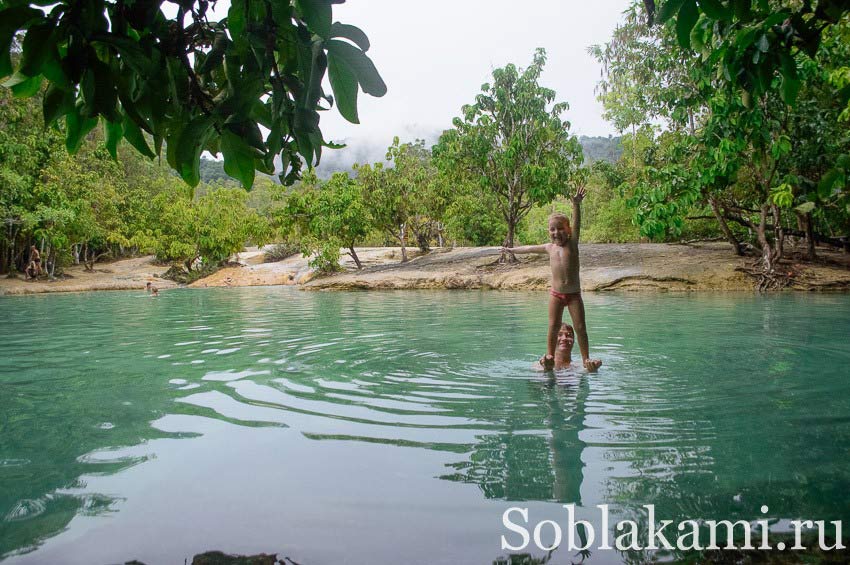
566	288
33	269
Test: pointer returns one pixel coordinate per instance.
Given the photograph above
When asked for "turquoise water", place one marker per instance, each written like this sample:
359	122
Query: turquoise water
397	427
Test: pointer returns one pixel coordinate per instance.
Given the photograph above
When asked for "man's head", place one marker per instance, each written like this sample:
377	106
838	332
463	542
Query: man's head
566	339
559	229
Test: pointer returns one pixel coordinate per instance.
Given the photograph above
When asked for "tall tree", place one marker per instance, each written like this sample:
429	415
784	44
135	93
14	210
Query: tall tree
723	151
513	143
191	83
405	197
328	215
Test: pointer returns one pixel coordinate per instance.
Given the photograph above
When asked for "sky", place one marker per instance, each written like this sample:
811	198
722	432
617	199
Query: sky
435	55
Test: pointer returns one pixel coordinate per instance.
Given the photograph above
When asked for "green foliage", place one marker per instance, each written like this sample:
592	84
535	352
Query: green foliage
281	251
747	43
408	198
606	218
188	82
511	144
750	158
206	230
327	216
473	218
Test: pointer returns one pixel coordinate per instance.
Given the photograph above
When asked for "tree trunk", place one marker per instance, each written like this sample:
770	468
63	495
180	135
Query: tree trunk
778	232
354	256
402	236
509	241
51	265
724	227
766	248
810	237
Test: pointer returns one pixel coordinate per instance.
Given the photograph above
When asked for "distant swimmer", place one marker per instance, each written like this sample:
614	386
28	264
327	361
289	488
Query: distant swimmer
152	290
566	288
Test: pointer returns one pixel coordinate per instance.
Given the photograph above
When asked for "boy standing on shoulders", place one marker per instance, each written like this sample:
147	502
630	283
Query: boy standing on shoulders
566	288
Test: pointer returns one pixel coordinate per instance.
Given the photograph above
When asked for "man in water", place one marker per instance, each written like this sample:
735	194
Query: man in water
564	348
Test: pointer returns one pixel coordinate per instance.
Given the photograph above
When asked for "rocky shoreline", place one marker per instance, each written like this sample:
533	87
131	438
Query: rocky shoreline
654	267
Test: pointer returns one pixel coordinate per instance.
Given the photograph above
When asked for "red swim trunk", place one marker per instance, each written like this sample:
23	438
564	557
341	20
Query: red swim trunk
565	297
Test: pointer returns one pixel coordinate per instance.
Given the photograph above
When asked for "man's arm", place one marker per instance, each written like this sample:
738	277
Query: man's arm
576	223
527	249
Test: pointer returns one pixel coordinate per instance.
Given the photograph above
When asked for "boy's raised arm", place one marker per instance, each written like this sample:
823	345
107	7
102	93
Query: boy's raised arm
577	198
526	249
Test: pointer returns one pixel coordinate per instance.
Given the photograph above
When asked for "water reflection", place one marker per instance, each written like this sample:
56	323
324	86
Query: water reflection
700	420
522	463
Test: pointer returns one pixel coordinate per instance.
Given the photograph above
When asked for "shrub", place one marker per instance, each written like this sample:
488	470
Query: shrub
281	251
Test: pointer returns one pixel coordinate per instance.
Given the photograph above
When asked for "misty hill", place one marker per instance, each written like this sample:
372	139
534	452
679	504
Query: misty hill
365	150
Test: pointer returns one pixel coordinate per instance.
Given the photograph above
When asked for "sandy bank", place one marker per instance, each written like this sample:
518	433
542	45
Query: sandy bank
634	266
604	267
126	274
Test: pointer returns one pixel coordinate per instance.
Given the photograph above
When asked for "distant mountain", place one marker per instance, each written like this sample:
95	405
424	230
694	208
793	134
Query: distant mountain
212	170
367	150
601	148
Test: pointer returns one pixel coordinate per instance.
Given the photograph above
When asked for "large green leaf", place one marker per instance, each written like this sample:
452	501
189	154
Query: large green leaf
129	51
790	89
236	23
11	20
53	71
344	85
134	136
191	143
360	65
238	159
36	48
76	128
56	103
715	9
105	94
318	15
688	15
669	9
114	133
27	88
352	33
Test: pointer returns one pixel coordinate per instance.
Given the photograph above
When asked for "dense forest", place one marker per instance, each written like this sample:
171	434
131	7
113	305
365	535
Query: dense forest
762	164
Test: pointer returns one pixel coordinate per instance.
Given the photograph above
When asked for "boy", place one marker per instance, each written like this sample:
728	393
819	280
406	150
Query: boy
566	289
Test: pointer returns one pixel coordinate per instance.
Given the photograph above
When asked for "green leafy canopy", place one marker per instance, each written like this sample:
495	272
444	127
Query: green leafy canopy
248	86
